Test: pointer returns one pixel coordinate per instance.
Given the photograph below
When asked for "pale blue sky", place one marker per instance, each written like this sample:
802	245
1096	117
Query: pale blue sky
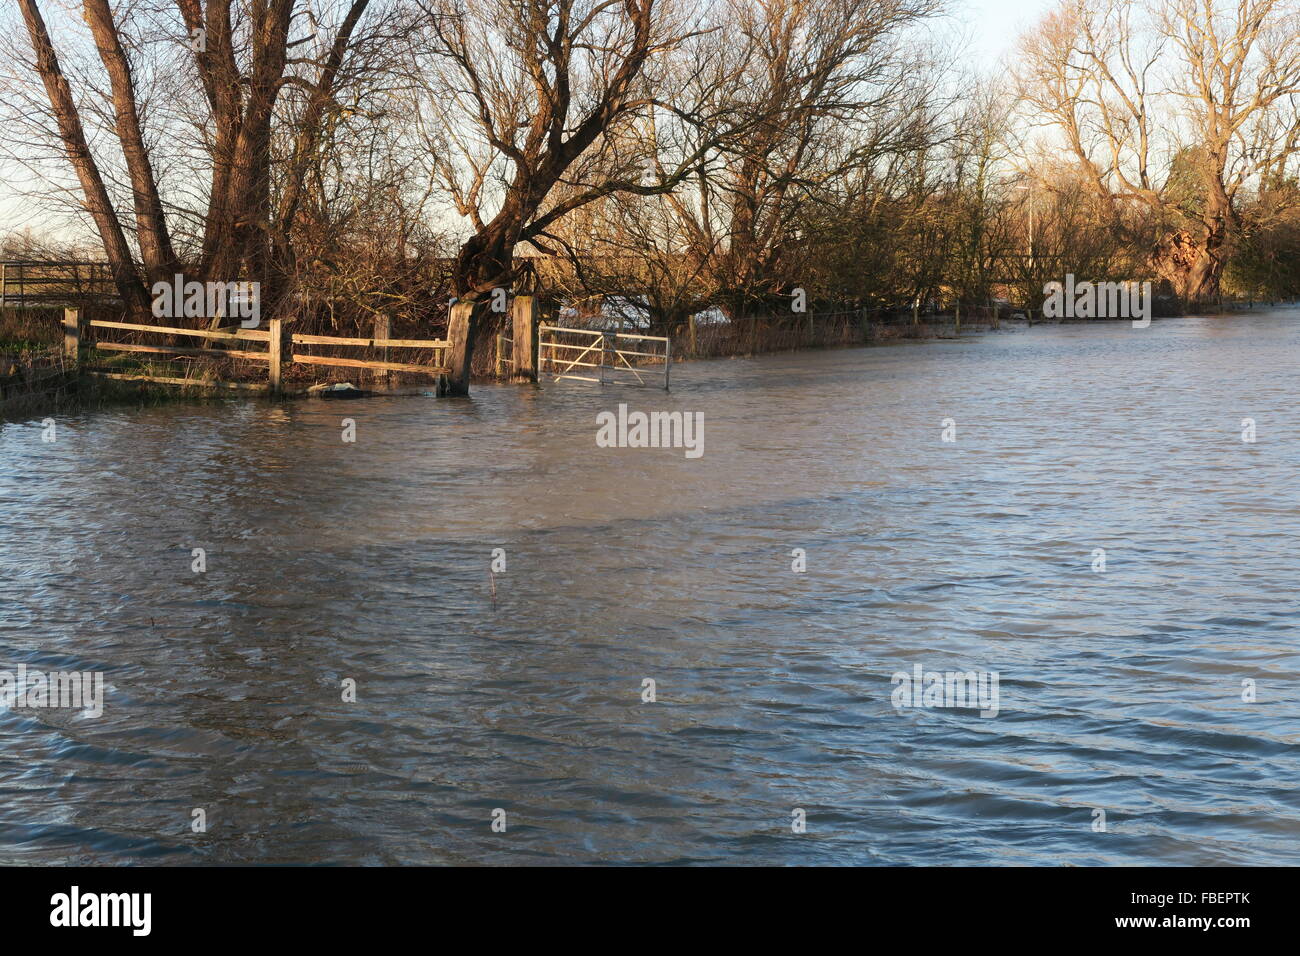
995	24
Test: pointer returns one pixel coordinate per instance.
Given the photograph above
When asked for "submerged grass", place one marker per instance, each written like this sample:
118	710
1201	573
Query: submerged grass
66	390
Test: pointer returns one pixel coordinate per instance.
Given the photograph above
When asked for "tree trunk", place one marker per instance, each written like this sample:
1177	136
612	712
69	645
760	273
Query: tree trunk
97	201
237	245
1194	265
307	141
151	228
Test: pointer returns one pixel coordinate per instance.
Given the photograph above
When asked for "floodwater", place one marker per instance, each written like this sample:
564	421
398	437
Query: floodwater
1120	691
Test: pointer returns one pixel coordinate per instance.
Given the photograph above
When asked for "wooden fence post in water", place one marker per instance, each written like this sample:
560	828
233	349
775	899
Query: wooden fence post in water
274	354
460	347
524	345
71	334
382	329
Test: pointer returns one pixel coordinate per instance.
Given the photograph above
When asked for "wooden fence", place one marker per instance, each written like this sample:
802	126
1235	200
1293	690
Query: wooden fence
383	343
262	345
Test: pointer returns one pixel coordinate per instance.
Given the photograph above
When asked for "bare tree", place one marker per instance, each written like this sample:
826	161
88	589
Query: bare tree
830	87
239	56
536	108
72	134
1131	86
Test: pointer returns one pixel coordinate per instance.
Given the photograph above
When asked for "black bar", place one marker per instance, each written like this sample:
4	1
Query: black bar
933	907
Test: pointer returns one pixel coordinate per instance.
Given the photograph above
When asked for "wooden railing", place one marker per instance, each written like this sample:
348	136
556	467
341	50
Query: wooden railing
273	337
382	342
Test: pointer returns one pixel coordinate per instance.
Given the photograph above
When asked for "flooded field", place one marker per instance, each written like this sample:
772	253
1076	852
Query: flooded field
329	561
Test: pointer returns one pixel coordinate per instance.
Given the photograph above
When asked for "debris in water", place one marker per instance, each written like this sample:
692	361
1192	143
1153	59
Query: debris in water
338	390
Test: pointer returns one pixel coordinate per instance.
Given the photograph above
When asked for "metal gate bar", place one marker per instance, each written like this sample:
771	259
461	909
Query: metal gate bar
604	347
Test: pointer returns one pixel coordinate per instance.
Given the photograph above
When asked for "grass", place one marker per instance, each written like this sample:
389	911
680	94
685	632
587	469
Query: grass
30	329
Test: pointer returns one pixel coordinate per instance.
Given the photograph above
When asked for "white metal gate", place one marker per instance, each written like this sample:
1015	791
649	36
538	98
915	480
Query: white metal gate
607	358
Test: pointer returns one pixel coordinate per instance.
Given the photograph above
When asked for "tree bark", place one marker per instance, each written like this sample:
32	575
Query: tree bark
96	199
151	228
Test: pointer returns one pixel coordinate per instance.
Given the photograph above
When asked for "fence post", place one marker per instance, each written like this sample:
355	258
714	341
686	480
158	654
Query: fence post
668	360
524	345
460	347
22	294
72	334
276	350
382	327
3	268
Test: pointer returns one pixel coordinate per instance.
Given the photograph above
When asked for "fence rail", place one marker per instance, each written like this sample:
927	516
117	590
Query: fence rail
380	342
79	337
252	335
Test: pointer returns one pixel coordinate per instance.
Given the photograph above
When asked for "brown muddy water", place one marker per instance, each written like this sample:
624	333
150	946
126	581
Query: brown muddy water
1119	691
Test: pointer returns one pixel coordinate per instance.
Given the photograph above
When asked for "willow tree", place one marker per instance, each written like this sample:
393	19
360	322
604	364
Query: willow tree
534	111
1143	93
238	56
830	87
